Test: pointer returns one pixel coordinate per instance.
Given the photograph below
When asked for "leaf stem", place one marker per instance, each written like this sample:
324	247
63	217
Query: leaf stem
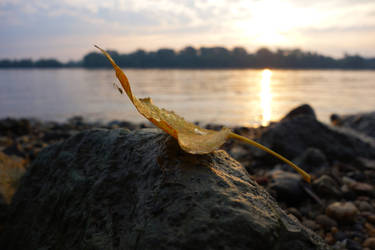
305	175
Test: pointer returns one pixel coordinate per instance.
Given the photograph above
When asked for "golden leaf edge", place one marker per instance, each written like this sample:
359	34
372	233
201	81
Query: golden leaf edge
155	115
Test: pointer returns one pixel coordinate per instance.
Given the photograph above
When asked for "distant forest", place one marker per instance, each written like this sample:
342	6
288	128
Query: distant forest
205	58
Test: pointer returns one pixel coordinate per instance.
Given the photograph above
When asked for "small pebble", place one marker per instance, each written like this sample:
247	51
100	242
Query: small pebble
369	243
325	221
345	211
371	218
310	224
329	239
340	236
326	186
362	188
353	245
364	206
370	229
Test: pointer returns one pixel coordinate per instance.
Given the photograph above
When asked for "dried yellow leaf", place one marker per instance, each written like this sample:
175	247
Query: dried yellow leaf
191	138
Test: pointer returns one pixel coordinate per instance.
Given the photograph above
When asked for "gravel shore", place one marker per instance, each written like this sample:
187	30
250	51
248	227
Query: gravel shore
339	204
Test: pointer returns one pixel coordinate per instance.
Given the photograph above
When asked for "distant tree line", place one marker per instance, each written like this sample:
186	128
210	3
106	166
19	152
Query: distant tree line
41	63
215	57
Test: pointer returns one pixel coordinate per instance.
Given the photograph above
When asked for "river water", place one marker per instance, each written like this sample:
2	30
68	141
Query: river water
230	97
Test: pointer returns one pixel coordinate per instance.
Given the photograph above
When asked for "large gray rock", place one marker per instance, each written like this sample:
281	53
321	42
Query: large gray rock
117	189
302	110
291	137
363	122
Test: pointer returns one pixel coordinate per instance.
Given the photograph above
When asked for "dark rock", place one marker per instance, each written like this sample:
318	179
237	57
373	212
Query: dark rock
370	229
312	160
244	130
326	186
294	136
76	121
370	243
363	188
335	119
357	227
144	125
364	206
366	163
15	127
340	236
294	211
286	186
370	217
357	175
3	211
122	124
310	224
363	123
15	149
55	136
137	190
329	239
303	110
347	193
214	126
238	152
5	141
325	221
353	245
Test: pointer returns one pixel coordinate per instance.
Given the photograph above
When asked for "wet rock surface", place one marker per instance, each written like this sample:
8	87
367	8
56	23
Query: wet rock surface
118	189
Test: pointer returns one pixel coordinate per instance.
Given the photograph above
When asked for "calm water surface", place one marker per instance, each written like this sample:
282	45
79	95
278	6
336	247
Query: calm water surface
231	97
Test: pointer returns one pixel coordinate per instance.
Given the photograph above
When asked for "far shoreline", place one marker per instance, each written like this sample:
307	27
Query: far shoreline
193	68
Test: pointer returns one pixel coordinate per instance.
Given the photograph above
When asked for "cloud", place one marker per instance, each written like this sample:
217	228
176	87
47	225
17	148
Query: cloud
150	24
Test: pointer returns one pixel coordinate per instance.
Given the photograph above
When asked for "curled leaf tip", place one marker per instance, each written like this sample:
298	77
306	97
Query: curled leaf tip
191	138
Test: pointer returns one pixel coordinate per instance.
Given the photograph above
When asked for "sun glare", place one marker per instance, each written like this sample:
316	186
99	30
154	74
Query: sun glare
272	22
266	96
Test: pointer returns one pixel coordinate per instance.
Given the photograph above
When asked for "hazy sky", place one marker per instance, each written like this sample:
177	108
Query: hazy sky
67	29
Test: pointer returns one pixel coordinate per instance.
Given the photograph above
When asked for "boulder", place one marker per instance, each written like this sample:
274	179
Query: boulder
303	110
116	189
292	137
363	122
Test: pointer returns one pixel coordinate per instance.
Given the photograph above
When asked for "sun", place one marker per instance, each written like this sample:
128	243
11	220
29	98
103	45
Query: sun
270	22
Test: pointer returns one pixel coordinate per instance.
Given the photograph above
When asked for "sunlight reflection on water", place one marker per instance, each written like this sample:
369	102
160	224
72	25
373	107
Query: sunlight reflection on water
266	96
230	97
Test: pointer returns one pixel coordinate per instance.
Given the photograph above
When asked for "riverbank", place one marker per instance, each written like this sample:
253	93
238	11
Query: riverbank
339	205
